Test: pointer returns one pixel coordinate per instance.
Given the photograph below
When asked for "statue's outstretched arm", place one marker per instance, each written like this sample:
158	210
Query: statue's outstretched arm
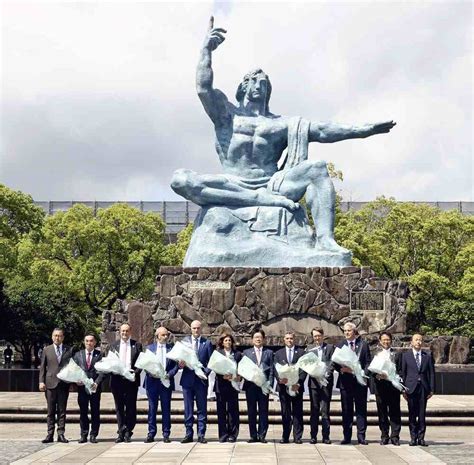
333	132
213	100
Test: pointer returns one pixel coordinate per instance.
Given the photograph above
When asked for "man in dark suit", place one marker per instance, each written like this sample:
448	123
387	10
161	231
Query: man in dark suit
195	388
320	396
86	359
418	375
291	406
55	357
124	391
387	397
256	399
352	392
155	389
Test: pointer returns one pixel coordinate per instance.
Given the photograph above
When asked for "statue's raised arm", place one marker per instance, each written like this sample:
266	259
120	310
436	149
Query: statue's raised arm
334	132
213	100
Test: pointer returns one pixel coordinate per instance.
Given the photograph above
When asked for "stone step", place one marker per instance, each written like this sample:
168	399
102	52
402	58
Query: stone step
212	418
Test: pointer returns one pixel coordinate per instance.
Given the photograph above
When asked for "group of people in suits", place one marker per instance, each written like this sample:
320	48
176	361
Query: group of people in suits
415	367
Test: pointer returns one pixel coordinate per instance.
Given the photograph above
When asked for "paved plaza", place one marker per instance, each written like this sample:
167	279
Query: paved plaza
20	443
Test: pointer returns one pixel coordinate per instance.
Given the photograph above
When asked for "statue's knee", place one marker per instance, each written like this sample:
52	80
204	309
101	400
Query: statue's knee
319	168
180	180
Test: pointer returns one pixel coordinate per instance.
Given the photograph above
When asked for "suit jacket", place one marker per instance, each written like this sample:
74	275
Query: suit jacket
348	380
171	368
327	351
411	375
50	367
188	377
136	348
382	387
80	359
223	386
266	364
281	358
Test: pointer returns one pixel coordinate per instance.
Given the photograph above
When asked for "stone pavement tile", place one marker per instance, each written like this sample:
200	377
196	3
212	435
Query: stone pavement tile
338	454
454	453
380	455
414	454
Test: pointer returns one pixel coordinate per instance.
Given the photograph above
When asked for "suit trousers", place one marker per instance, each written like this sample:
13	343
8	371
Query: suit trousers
84	400
160	394
125	397
199	392
417	402
291	414
355	395
320	404
257	401
388	410
57	402
228	415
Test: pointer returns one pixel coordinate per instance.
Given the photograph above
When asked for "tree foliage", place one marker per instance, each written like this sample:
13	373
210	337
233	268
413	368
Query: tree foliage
429	248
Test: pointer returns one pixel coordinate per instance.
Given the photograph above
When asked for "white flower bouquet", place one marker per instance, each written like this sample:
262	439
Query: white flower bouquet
73	373
382	365
184	352
149	362
113	364
291	373
348	358
253	373
315	367
222	365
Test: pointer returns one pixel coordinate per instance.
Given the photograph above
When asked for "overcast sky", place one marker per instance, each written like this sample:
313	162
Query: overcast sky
99	102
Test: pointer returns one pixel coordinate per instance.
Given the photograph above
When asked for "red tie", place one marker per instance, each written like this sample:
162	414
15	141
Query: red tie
88	362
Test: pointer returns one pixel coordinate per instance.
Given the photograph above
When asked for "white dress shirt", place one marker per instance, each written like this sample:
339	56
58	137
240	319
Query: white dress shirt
126	353
161	353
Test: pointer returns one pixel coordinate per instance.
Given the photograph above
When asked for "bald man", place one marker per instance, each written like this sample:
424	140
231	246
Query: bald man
418	374
155	389
195	388
124	391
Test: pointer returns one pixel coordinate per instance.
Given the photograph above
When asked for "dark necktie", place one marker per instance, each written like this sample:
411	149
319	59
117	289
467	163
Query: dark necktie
418	360
88	361
196	345
290	356
58	353
352	346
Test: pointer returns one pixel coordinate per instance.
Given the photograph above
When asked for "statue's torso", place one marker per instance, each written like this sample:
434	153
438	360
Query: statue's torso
250	146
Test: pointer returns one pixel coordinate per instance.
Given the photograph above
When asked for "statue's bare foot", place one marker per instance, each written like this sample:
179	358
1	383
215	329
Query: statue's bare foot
274	200
328	244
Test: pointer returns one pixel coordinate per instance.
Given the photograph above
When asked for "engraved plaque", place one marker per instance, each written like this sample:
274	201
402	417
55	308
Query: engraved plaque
201	285
366	301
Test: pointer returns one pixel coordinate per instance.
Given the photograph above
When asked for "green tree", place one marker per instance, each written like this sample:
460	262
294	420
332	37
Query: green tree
177	251
428	248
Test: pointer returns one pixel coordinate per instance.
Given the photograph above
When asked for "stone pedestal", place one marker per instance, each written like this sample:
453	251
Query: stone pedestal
241	300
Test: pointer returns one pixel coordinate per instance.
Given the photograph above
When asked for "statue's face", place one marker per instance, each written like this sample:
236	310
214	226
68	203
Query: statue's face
257	88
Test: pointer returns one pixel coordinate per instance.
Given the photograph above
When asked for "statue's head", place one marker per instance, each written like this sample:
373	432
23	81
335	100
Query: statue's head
255	86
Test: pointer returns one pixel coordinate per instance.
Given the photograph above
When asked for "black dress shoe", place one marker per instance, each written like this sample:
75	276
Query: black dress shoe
231	439
395	441
252	440
149	439
284	441
345	441
82	440
362	442
421	442
202	440
62	439
327	441
166	439
298	441
187	439
47	439
413	442
313	441
119	439
384	441
93	439
263	440
223	439
127	437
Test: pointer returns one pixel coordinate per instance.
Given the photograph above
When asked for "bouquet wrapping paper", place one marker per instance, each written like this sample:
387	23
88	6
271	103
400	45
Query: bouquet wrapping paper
73	373
222	365
255	374
149	362
382	365
348	358
184	352
113	364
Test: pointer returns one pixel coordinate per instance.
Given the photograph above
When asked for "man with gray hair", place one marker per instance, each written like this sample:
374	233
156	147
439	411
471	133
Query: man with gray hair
353	394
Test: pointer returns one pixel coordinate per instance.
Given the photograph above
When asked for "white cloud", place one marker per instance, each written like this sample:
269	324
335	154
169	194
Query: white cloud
98	99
